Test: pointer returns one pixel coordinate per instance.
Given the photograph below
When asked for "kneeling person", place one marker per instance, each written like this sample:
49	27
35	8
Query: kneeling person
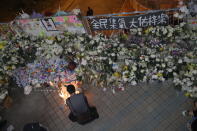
79	107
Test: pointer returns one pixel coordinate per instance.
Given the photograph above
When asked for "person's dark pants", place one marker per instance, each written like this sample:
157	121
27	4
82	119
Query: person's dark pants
94	112
72	117
89	116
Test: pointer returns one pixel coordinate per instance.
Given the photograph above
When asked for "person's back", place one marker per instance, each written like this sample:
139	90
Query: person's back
194	125
78	104
79	107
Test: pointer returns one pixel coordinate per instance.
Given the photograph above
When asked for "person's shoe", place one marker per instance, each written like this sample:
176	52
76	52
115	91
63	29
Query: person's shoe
185	113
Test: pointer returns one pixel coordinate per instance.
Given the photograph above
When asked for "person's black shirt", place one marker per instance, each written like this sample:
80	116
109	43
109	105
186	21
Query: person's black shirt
78	104
195	113
89	12
194	125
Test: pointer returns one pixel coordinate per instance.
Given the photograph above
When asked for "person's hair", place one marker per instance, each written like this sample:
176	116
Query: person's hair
71	89
72	65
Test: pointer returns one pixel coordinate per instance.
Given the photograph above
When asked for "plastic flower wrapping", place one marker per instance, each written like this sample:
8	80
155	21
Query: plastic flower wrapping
144	55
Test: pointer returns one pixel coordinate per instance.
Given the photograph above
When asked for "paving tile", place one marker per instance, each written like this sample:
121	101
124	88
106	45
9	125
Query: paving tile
145	107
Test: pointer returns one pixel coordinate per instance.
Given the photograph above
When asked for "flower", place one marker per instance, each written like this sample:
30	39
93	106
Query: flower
163	65
84	62
154	77
176	15
115	66
2	44
161	54
117	74
159	74
133	83
152	56
184	9
125	79
134	68
49	41
27	90
180	61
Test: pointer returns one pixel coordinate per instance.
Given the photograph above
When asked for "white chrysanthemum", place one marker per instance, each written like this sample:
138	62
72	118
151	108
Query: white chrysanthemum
125	79
154	77
49	41
142	71
182	24
113	54
27	90
163	65
133	83
176	15
170	70
162	79
186	59
134	68
115	44
184	9
180	61
195	72
110	61
189	83
152	56
81	38
144	78
84	62
146	59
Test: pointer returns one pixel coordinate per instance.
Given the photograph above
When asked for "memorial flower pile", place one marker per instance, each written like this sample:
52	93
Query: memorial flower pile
145	55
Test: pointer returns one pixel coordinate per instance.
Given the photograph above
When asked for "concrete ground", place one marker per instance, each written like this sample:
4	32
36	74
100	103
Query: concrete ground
145	107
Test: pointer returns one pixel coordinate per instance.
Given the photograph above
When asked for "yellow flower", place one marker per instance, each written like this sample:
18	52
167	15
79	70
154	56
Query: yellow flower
124	36
159	74
125	67
161	49
148	30
187	94
117	74
51	38
2	44
9	67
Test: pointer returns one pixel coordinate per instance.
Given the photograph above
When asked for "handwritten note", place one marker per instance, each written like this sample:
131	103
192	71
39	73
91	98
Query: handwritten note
72	19
60	19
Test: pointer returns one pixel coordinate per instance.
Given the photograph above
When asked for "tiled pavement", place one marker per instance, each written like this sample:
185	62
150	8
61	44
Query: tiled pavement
145	107
153	107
